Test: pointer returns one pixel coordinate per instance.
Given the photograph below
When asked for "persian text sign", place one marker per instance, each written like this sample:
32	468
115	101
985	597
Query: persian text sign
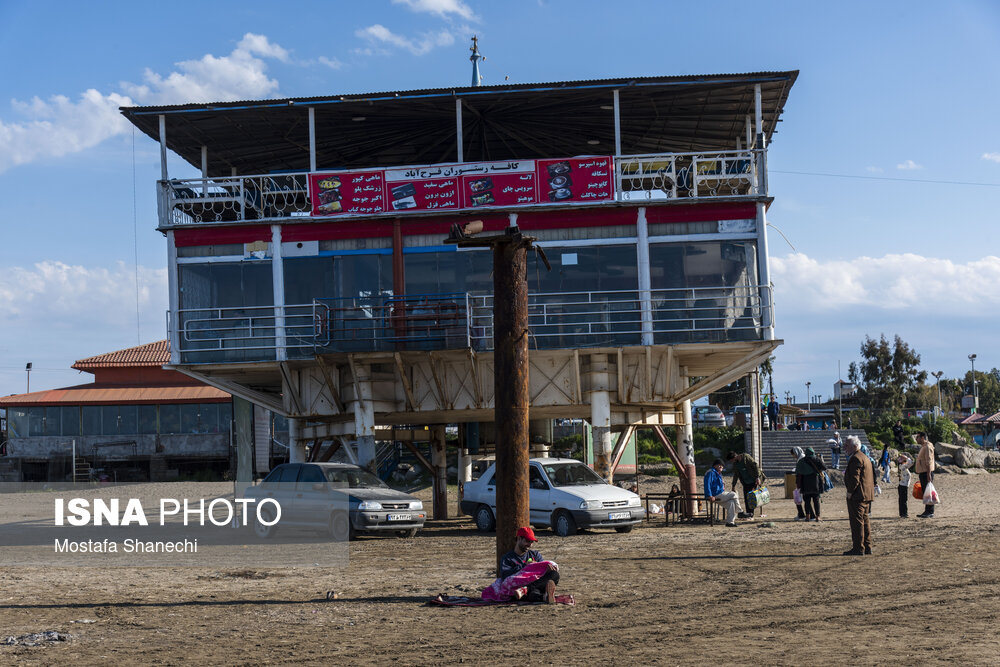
465	185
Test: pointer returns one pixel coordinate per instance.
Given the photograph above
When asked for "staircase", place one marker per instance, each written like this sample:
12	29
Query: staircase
776	448
81	474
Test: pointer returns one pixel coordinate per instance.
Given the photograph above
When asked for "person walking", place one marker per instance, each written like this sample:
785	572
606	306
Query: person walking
798	453
809	479
860	483
903	464
925	469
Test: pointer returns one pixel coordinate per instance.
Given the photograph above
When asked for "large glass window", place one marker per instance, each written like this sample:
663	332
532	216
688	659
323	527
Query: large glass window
147	419
53	421
170	419
91	420
109	420
36	421
70	420
190	416
445	272
17	422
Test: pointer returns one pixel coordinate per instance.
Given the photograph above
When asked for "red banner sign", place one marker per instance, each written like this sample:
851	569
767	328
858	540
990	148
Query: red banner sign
463	186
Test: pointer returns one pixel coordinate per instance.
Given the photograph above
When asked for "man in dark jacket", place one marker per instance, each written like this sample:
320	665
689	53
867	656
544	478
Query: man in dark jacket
747	472
860	482
541	590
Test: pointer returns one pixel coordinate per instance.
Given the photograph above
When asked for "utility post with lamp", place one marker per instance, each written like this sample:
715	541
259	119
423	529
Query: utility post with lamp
510	370
975	385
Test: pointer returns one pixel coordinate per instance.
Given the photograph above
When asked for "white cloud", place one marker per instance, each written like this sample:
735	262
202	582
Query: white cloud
56	294
909	165
993	157
891	282
59	126
442	8
240	75
332	63
874	170
378	34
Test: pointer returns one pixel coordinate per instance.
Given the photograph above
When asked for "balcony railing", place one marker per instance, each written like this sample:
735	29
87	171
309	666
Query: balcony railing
465	321
689	176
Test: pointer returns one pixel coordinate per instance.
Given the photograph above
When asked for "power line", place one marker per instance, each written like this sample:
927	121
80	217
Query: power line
884	178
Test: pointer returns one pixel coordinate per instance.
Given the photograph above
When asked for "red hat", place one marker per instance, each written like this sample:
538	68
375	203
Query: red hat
527	533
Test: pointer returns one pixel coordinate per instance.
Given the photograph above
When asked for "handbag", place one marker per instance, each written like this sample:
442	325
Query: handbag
918	492
931	495
758	497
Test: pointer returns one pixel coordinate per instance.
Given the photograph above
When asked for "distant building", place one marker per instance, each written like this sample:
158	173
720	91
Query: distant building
136	421
842	390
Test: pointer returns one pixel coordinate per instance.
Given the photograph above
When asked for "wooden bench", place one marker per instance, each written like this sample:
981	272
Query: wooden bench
676	509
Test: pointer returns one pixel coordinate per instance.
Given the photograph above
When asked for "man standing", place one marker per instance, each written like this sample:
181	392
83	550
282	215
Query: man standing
747	472
836	446
542	589
773	410
925	469
860	482
715	489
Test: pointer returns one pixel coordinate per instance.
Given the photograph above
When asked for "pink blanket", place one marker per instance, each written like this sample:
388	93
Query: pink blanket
515	586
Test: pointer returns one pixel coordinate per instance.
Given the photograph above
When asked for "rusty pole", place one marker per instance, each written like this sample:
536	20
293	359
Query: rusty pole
510	344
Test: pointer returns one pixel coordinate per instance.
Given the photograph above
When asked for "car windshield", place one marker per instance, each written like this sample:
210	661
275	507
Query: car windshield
354	478
572	474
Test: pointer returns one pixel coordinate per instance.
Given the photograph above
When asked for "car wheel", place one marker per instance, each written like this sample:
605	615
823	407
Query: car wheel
484	519
339	526
262	531
564	524
412	532
623	529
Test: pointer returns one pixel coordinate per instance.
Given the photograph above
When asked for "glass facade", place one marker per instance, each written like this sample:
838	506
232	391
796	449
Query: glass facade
119	420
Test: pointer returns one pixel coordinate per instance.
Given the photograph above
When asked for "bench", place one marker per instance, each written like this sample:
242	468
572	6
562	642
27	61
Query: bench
676	508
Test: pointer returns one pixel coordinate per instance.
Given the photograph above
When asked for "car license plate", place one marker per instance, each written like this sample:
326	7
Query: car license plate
399	517
614	516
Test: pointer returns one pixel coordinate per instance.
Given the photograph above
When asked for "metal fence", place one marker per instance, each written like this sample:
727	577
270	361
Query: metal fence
465	321
693	176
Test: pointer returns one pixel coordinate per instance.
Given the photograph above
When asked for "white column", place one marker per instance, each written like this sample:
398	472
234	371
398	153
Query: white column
458	126
687	442
312	139
278	285
172	298
645	281
600	413
364	416
204	171
296	448
163	147
764	274
618	126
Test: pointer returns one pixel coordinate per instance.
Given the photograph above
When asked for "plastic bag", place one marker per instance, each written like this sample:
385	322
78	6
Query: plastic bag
797	497
931	495
918	491
827	482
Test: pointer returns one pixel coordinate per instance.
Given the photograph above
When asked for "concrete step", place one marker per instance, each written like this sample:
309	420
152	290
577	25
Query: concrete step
776	447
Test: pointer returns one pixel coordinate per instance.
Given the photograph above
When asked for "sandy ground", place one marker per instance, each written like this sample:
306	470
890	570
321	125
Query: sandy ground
677	596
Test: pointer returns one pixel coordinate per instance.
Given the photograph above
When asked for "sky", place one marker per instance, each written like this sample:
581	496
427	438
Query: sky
885	169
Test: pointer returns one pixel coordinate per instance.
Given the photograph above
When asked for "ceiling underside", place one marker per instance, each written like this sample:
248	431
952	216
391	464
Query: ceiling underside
529	121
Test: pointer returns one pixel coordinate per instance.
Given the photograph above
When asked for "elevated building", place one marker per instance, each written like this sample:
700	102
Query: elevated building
308	271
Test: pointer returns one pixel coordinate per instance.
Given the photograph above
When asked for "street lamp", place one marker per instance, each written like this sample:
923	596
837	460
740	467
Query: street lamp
975	389
937	376
808	398
27	371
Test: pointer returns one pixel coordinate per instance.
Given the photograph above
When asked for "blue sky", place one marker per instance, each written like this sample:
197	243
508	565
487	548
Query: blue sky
885	169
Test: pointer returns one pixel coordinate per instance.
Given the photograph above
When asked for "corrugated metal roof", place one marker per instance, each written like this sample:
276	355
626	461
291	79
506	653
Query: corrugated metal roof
93	394
150	354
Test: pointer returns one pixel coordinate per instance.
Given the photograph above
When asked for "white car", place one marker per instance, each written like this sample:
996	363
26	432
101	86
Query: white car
564	494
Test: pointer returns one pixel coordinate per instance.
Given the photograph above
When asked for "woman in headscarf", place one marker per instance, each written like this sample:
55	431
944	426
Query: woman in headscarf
809	479
798	453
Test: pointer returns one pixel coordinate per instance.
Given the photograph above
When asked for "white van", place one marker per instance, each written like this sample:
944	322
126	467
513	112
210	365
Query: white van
564	494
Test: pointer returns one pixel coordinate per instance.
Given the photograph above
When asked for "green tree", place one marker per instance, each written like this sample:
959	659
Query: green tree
887	373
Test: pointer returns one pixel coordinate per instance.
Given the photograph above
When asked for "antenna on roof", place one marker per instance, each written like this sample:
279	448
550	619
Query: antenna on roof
475	58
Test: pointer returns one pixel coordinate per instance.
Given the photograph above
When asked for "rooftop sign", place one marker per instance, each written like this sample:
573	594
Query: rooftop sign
466	185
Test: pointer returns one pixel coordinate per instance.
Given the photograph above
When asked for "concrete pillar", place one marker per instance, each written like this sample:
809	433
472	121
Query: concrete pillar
687	450
439	460
600	413
464	475
364	417
296	446
539	437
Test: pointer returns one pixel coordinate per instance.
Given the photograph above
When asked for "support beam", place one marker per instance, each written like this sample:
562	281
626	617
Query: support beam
163	148
440	472
420	457
330	384
616	455
289	388
278	285
364	414
335	444
269	401
296	448
312	138
458	131
645	280
618	125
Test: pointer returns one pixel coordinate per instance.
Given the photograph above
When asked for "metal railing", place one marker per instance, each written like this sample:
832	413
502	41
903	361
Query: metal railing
694	176
465	321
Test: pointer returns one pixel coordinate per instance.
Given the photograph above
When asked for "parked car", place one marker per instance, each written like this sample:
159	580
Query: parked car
708	415
563	494
741	417
306	493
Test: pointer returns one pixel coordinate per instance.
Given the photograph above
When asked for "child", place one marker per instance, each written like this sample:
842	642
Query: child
904	462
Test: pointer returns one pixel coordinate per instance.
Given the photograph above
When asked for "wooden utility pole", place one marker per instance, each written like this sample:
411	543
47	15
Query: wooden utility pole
510	364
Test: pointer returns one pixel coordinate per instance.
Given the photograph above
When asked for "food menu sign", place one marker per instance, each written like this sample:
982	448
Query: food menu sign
460	186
